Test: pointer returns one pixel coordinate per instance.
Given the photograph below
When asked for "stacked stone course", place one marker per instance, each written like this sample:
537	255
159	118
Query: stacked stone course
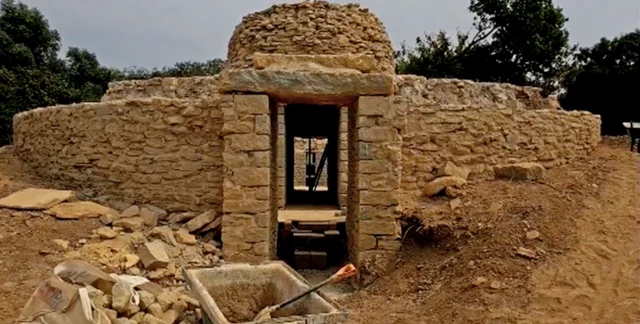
316	27
155	150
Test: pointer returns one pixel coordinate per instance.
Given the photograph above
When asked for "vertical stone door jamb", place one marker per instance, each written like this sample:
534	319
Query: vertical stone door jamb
247	180
379	169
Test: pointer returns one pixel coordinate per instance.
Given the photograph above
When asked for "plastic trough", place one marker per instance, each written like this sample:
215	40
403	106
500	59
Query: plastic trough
235	293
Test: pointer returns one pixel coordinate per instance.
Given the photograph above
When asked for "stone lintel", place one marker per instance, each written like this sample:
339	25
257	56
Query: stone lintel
355	62
306	87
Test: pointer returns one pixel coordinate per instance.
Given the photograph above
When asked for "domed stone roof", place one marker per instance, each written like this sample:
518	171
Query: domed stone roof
311	28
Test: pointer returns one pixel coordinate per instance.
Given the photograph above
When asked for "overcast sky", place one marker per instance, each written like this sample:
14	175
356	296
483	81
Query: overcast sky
156	33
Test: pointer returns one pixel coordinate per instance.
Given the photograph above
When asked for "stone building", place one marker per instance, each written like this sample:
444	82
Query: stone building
304	70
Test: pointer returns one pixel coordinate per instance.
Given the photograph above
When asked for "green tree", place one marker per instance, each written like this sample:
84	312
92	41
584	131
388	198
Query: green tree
180	69
523	42
85	77
604	80
31	73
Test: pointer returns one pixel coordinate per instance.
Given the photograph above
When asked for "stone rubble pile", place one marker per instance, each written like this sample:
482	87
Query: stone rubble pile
162	307
147	241
143	241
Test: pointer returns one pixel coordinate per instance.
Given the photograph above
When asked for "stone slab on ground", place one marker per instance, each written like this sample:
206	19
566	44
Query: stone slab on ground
520	171
35	198
80	210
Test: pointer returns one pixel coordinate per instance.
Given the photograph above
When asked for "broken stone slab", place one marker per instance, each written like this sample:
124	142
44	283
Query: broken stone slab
106	233
79	210
161	213
35	198
439	184
150	218
153	255
209	248
455	203
212	226
357	62
62	244
181	217
183	237
520	171
450	169
132	211
130	224
526	253
108	219
164	233
130	260
306	87
201	221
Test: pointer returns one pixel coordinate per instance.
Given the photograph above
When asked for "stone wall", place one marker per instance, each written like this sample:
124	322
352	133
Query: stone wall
180	88
162	151
480	125
311	27
300	151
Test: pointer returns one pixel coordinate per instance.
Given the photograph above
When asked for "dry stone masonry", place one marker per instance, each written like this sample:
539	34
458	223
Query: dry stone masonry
215	146
316	27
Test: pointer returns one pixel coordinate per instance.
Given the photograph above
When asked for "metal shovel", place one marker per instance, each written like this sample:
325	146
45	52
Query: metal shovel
345	272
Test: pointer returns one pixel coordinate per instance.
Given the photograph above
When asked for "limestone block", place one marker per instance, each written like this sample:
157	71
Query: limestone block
251	177
378	227
366	242
378	134
438	185
450	169
251	104
153	255
379	198
373	106
306	87
249	142
200	221
520	171
389	244
35	198
358	62
79	210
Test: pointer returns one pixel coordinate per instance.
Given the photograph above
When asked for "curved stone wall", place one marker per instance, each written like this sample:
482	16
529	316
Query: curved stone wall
192	87
162	151
167	150
315	27
481	125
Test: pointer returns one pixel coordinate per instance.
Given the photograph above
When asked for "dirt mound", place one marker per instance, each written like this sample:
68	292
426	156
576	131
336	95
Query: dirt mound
553	251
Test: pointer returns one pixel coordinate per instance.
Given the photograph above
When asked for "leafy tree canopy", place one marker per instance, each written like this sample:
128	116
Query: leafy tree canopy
604	80
523	42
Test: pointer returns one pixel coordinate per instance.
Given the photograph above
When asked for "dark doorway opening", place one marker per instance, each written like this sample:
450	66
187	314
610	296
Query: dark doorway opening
312	233
312	155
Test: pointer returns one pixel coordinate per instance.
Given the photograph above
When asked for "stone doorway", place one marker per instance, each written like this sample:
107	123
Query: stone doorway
311	227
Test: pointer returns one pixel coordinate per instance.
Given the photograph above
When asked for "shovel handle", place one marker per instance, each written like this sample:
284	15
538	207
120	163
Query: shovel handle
345	272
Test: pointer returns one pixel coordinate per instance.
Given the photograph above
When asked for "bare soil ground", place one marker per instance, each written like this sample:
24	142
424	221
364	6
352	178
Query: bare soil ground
455	267
463	267
27	254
